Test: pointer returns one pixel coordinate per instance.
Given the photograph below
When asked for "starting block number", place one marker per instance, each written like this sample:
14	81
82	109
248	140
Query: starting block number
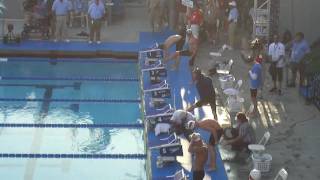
188	3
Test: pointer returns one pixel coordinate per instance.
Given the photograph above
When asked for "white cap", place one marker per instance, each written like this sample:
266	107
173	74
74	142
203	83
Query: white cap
195	136
255	174
191	125
178	115
233	3
189	31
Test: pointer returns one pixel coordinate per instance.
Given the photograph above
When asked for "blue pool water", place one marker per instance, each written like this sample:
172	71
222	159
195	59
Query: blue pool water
54	84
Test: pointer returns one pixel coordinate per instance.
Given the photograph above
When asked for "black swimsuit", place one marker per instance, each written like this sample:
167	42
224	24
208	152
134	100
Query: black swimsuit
198	175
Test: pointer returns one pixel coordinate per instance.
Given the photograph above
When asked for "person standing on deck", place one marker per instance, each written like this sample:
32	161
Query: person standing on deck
300	49
255	75
96	13
60	9
216	131
205	90
233	20
200	151
276	55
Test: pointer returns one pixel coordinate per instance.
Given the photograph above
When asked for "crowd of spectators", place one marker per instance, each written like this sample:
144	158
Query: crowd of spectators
57	15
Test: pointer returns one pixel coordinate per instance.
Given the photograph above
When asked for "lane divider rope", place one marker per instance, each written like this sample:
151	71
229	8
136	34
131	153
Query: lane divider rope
102	61
72	100
74	156
69	78
106	125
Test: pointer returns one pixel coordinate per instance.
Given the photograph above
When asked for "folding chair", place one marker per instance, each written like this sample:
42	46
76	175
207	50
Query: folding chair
235	90
282	174
258	149
264	140
225	69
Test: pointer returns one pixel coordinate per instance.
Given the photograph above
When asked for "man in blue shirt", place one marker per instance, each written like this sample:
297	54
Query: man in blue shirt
60	9
96	13
300	48
205	90
232	19
255	83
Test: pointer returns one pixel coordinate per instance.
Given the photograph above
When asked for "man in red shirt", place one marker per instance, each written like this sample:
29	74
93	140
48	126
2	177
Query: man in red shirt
195	20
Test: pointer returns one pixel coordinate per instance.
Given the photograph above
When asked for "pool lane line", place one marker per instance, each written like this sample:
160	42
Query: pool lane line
71	100
74	60
39	85
105	79
59	125
74	156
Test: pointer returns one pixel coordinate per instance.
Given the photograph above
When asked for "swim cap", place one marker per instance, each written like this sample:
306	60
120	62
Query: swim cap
191	125
195	136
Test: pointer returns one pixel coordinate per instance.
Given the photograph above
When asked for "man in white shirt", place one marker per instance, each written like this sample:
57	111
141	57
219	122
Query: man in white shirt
60	9
276	55
96	13
232	19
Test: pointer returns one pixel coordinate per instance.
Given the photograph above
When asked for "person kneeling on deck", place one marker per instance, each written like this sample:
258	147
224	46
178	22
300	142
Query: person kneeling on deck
206	92
179	121
200	151
216	132
190	49
242	135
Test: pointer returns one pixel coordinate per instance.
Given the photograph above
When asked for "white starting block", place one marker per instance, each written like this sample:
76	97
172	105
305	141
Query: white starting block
168	152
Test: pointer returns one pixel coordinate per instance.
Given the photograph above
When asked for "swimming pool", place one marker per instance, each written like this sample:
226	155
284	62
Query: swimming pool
70	119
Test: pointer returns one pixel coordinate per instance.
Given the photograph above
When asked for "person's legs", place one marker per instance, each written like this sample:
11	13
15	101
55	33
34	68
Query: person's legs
254	100
92	30
280	78
212	154
58	27
273	73
197	104
301	68
231	34
64	28
214	108
98	30
294	68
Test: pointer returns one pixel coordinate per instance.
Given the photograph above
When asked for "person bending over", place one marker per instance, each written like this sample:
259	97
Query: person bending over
179	122
216	131
206	91
190	49
200	151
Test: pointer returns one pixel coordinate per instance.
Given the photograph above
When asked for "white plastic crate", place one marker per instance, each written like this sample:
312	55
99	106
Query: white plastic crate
262	163
227	81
